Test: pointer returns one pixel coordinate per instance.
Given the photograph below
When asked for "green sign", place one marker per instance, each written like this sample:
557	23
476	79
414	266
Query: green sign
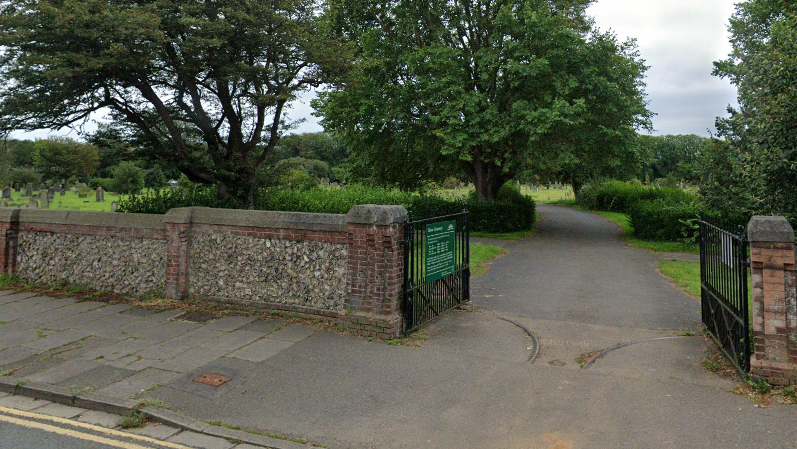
440	250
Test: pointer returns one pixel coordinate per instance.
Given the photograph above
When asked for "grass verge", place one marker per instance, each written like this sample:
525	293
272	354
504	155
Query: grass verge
508	236
685	274
628	234
480	256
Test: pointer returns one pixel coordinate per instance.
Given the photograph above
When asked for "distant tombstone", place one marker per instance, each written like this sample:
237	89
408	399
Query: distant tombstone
44	197
114	206
62	192
83	195
7	192
335	184
29	189
33	204
100	194
3	203
50	194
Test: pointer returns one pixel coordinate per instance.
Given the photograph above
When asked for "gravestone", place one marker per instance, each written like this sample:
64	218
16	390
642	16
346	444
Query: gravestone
44	197
50	194
100	195
33	204
29	189
3	203
114	206
7	192
62	192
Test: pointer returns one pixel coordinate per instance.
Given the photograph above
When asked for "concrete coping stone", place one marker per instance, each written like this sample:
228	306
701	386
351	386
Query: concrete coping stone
257	219
375	214
82	218
762	228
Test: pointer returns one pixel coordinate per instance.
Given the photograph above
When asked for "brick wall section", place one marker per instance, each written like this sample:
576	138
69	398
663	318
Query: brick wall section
9	227
772	258
376	264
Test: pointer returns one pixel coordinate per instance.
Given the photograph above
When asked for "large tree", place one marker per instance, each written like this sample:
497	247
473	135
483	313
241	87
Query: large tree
762	132
493	88
60	158
205	83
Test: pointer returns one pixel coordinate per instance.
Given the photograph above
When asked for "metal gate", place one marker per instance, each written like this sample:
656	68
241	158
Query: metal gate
436	267
724	268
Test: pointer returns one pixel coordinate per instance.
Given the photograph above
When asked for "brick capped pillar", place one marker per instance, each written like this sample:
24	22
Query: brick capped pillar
9	229
177	223
375	270
772	258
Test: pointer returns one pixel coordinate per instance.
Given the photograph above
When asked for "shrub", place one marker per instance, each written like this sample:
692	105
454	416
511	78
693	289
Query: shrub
127	178
665	219
501	215
618	196
159	201
106	184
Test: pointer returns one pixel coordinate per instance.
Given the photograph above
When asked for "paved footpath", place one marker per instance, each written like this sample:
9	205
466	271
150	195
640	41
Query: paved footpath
469	385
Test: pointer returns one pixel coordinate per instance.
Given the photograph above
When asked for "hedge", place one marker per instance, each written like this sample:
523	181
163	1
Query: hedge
664	219
510	212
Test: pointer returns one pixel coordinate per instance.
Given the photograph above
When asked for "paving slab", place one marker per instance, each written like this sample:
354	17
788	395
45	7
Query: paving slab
84	318
118	349
155	430
199	440
139	383
6	299
110	326
192	359
165	330
261	350
293	333
233	340
22	403
238	371
17	333
96	378
21	309
63	371
99	418
60	410
63	312
58	339
265	326
230	323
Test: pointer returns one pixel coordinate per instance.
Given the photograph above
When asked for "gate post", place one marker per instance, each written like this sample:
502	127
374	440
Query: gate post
375	270
772	258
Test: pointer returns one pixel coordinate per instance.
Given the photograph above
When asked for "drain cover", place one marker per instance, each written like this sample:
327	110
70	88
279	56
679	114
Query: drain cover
214	380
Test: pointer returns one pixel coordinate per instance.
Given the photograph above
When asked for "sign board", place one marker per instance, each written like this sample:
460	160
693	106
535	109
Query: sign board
440	250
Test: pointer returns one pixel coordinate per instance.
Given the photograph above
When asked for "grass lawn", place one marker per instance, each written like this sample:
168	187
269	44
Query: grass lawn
480	255
508	236
545	195
70	201
628	234
685	274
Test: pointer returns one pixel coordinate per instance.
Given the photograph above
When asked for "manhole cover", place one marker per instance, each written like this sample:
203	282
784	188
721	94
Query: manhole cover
214	380
556	363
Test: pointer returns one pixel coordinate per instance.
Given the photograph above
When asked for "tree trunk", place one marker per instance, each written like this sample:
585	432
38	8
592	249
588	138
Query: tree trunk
576	185
487	179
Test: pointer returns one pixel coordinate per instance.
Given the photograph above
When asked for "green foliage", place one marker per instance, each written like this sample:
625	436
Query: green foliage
128	178
537	90
159	201
296	179
664	219
107	184
761	150
23	176
618	196
60	158
202	86
512	213
673	157
154	178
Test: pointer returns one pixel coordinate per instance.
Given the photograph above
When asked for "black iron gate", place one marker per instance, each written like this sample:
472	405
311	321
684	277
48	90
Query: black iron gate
725	304
436	267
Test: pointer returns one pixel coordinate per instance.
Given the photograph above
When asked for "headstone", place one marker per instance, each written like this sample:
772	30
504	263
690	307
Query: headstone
33	204
114	206
44	197
29	189
62	192
7	192
100	195
3	203
51	194
83	195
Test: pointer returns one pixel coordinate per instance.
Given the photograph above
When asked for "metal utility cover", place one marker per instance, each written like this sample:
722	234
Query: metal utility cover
214	380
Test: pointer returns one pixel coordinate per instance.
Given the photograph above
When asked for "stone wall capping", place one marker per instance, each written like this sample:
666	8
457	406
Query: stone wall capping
9	215
82	218
258	218
376	214
763	228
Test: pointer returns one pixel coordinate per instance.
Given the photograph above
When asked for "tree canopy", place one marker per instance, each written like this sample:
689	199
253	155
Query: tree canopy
204	83
489	87
761	133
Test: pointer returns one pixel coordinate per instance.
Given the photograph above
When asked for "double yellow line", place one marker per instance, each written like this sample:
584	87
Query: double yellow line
24	419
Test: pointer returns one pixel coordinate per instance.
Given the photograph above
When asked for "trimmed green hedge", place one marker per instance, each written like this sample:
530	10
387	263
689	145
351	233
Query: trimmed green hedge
510	212
618	196
664	220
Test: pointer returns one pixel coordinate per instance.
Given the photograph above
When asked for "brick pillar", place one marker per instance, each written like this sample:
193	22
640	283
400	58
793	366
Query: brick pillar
772	258
9	229
375	270
177	223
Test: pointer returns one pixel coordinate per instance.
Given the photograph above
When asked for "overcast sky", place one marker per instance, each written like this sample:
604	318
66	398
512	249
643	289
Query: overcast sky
678	39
